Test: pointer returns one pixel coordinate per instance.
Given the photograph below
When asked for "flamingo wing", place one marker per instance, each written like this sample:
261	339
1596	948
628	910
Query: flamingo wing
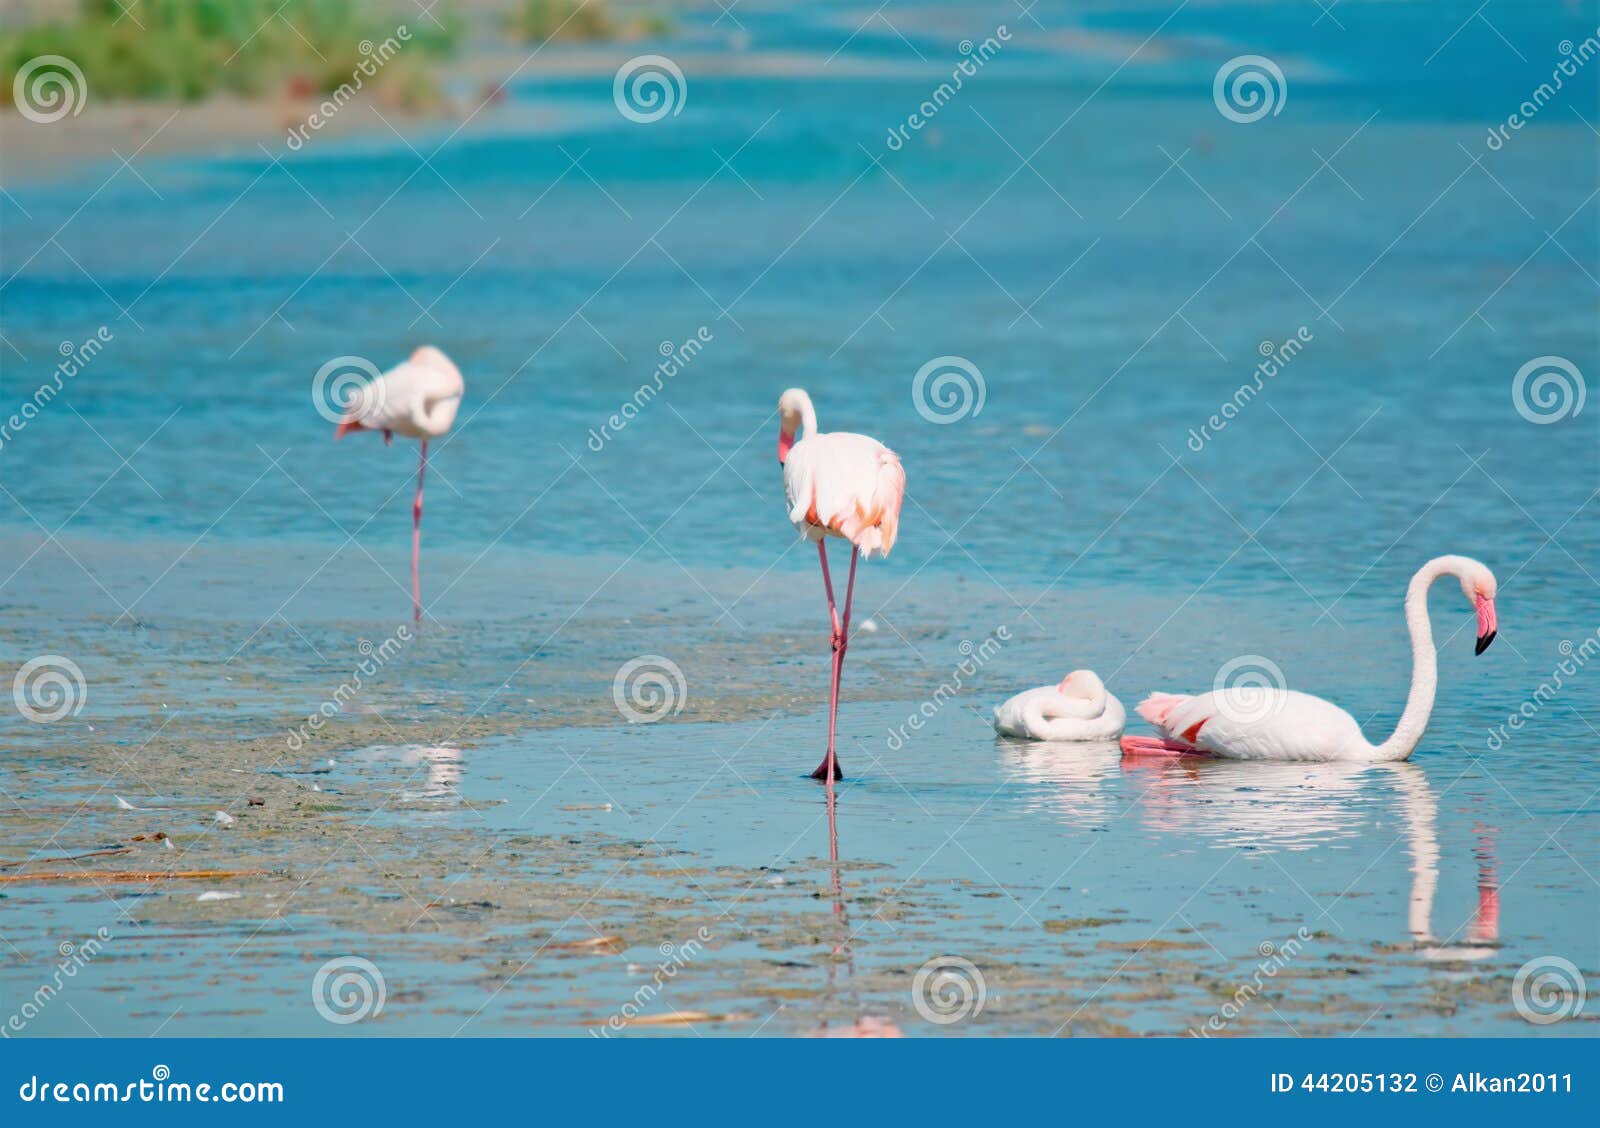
845	485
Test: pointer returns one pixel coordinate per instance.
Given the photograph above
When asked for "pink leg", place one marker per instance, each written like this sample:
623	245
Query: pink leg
416	538
829	769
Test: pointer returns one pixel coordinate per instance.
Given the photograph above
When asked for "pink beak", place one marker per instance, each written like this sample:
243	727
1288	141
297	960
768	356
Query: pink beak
1487	626
784	443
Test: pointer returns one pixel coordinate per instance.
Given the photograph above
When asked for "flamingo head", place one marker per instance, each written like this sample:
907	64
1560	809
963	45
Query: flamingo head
793	408
1084	684
1478	584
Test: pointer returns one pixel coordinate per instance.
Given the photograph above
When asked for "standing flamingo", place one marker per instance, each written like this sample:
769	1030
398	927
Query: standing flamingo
838	485
1079	708
419	400
1282	724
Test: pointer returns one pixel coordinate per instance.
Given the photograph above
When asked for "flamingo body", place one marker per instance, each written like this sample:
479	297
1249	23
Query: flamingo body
1268	723
1275	724
1077	709
417	399
845	485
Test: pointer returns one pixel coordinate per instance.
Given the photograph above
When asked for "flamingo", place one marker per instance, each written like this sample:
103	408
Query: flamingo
1079	708
1283	724
418	399
842	485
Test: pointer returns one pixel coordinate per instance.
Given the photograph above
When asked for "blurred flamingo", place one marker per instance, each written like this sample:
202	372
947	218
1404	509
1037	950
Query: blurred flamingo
838	484
418	399
1264	723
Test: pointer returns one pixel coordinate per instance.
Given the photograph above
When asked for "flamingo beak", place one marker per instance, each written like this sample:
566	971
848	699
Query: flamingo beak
1486	624
344	429
785	441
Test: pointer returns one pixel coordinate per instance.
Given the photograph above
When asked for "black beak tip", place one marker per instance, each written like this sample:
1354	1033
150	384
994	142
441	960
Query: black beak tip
1483	643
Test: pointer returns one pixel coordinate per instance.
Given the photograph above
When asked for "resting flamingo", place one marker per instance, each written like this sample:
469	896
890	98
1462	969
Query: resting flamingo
1079	708
419	400
842	485
1282	724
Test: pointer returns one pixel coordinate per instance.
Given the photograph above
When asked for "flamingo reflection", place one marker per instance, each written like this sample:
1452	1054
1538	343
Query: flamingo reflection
842	955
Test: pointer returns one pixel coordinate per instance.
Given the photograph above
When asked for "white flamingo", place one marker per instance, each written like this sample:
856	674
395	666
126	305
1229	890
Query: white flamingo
1282	724
842	485
1079	708
417	399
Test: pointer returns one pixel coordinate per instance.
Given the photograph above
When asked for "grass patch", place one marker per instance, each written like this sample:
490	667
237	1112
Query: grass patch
541	21
188	49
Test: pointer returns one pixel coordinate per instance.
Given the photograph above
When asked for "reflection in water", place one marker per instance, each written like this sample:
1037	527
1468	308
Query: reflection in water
842	955
1421	811
1267	807
1071	778
1260	806
442	766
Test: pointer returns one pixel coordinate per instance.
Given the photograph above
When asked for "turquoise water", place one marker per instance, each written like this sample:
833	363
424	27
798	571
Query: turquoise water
1111	300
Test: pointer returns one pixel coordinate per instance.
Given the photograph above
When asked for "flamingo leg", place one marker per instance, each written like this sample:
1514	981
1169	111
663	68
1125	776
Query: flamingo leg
416	538
829	769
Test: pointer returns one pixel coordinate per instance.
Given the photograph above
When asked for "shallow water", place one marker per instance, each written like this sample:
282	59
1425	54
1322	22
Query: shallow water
229	569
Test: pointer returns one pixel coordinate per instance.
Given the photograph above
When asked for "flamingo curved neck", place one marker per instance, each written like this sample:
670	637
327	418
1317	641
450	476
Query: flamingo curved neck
808	417
1424	664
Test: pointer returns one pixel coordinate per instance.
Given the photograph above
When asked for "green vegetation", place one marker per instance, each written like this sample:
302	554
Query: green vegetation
187	49
537	21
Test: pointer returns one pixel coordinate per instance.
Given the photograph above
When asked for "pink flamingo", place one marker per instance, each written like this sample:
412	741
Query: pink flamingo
419	400
1261	723
838	485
